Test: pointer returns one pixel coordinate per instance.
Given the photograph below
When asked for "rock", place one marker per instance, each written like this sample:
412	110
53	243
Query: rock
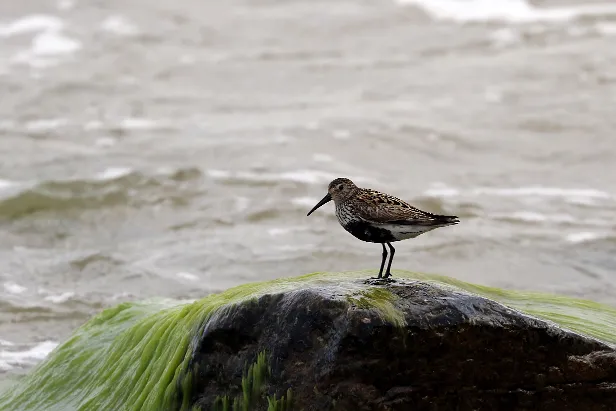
334	341
402	345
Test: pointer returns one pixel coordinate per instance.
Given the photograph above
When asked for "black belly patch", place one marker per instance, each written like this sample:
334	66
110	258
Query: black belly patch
368	232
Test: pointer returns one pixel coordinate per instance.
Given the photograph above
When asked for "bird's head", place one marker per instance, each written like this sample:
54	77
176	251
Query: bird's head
339	190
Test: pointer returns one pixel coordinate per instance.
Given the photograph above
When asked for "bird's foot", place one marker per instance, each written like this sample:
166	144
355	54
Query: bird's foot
379	281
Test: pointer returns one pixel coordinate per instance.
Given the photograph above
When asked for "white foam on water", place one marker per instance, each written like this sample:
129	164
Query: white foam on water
31	24
48	124
4	184
187	276
10	359
608	29
298	176
52	43
113	173
134	123
303	176
218	173
13	288
541	191
60	298
48	44
584	237
510	11
585	201
275	232
533	217
119	25
582	195
6	343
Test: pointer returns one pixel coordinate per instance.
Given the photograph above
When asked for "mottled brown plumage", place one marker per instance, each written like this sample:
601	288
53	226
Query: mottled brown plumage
376	217
382	208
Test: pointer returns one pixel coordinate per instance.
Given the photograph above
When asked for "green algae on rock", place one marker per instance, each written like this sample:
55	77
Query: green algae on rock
332	339
252	392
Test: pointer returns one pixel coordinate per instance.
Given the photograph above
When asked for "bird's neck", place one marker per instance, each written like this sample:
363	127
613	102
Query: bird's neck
345	213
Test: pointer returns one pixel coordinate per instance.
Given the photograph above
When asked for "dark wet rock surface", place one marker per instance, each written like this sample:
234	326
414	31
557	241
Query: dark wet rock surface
403	346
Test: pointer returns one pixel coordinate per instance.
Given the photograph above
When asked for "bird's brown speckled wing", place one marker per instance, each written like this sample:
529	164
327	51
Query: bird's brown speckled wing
383	208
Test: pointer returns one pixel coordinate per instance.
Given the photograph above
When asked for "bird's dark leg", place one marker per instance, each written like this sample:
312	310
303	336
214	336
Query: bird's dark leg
391	258
383	261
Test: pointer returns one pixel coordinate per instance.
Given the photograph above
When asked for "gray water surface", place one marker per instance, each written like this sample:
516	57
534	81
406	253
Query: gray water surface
174	148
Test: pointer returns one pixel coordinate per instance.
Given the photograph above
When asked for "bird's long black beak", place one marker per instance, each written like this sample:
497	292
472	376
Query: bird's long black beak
325	199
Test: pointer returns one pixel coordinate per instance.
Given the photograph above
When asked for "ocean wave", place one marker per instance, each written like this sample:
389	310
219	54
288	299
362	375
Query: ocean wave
31	24
541	191
45	125
585	195
6	184
282	231
588	236
13	288
187	276
113	173
128	124
297	176
111	187
24	356
119	26
535	217
48	45
117	126
60	298
51	43
510	11
304	176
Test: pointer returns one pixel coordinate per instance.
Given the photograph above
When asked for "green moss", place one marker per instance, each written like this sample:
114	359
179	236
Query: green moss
136	356
284	403
130	357
253	387
582	316
382	301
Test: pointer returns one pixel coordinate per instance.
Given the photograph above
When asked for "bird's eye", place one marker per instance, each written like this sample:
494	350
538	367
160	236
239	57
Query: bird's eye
340	187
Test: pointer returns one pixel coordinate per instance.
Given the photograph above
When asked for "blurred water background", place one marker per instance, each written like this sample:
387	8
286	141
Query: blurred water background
173	148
